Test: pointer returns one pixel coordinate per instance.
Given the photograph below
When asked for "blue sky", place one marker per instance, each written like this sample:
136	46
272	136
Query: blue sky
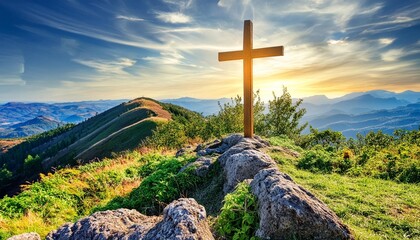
70	50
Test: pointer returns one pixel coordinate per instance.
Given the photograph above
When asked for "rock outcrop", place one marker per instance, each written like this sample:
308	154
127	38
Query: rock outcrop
182	219
288	211
26	236
240	158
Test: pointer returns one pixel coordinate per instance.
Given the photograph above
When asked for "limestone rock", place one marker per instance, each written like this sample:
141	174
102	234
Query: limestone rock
26	236
116	224
244	144
244	165
182	219
288	211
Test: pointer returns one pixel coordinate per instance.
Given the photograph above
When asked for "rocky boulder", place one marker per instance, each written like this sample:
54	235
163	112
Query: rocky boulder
116	224
288	211
239	146
26	236
244	165
182	219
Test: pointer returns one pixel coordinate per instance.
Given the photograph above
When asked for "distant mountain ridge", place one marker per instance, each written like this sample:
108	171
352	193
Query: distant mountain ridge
387	120
14	113
31	127
409	96
317	107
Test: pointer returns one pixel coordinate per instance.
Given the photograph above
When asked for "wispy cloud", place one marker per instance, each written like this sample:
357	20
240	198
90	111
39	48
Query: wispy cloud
386	41
128	18
392	55
173	17
108	66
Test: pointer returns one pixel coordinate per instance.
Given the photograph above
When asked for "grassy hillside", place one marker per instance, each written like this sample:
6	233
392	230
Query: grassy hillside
120	128
373	208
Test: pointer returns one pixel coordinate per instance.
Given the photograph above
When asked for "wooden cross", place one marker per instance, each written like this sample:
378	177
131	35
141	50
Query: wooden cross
247	54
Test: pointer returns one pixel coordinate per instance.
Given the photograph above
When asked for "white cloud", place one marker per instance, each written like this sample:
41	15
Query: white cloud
173	17
108	66
386	41
168	57
337	42
128	18
392	55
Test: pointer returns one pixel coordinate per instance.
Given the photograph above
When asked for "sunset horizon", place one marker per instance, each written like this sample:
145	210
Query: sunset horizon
74	51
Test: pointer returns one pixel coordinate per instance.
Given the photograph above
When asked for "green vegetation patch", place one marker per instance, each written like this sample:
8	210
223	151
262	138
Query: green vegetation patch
162	183
238	218
377	154
373	208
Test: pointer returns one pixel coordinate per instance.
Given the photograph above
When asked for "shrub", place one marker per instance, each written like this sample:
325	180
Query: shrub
238	218
167	135
399	163
284	116
316	160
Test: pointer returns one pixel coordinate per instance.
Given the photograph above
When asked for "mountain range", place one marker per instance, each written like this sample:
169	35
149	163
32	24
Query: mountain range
351	113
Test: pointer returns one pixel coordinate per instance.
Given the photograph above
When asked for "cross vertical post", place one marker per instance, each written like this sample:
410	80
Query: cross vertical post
248	93
247	54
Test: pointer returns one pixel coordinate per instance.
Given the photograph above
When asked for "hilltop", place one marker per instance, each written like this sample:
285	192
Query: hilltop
191	177
118	129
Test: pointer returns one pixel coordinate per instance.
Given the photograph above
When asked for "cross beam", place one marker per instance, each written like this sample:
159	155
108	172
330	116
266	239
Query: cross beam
247	54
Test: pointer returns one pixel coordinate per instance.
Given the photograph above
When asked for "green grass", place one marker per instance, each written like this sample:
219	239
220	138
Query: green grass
128	138
67	195
120	121
372	208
